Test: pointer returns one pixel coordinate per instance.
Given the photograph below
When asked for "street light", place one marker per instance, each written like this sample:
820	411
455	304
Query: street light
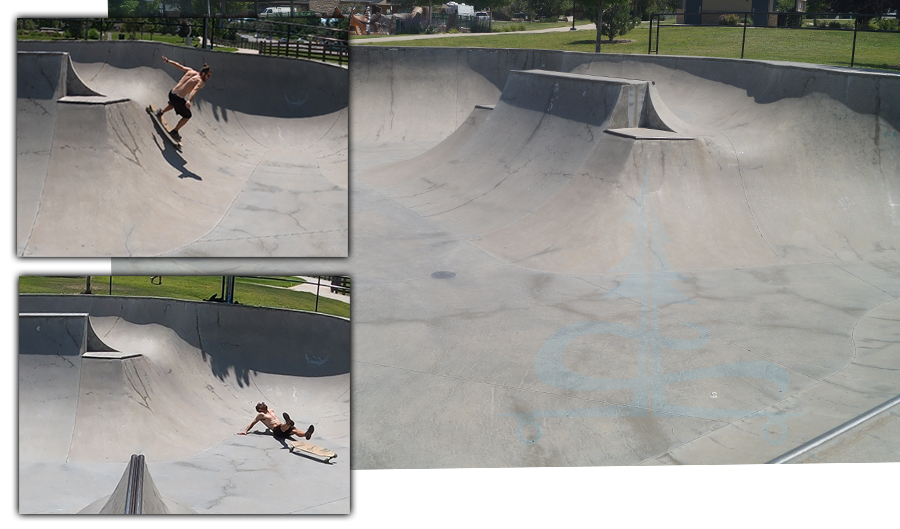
573	16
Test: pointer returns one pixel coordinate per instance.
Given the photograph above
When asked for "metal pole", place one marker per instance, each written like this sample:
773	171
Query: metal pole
573	16
853	54
110	285
744	38
831	434
229	290
657	34
318	284
649	37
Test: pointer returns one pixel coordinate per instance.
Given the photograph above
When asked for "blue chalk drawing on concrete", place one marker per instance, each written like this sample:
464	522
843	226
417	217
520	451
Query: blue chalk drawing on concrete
653	288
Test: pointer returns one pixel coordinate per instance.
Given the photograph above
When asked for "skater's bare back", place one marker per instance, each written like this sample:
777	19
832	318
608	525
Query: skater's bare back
189	84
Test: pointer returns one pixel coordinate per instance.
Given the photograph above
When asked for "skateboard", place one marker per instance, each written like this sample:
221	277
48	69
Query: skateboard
164	125
309	448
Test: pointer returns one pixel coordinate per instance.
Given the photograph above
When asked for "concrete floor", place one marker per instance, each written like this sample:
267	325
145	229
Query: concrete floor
263	170
175	381
533	291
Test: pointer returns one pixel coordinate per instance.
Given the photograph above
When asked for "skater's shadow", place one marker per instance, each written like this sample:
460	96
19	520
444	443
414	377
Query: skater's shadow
286	446
174	158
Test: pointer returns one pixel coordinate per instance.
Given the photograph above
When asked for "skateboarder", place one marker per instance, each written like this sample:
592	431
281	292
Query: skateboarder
181	96
280	430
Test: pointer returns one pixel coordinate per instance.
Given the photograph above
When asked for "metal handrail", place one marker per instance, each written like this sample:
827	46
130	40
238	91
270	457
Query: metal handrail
834	432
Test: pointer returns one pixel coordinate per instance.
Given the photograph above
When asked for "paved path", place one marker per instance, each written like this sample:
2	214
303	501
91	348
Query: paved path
324	290
360	42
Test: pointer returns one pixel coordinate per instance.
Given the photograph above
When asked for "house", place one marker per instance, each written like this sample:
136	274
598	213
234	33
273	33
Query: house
709	11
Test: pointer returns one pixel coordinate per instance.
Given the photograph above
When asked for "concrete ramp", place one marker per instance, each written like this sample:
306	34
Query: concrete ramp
560	295
48	76
628	261
174	382
96	178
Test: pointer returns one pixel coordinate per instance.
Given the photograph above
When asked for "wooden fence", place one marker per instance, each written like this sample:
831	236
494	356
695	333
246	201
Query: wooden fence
323	49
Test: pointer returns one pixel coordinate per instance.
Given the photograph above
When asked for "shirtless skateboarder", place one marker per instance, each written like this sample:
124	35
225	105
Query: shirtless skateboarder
181	96
280	430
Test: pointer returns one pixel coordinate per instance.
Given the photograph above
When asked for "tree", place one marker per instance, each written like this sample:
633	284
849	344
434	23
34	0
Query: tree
615	24
866	7
548	8
619	21
493	5
404	6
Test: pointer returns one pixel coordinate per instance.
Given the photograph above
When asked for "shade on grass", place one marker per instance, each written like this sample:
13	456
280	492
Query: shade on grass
248	291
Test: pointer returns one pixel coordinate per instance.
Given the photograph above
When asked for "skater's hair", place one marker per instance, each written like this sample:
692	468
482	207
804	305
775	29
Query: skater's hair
260	405
205	68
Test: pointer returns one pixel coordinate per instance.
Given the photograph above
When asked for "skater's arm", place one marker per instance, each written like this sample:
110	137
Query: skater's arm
175	64
247	429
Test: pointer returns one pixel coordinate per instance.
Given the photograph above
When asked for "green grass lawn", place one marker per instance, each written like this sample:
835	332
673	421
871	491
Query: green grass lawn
257	292
880	50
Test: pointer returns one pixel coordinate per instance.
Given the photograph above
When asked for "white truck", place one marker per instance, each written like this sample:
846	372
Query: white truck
275	12
461	9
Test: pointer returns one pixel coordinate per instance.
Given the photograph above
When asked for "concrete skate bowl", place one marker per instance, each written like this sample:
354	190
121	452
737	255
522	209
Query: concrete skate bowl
620	260
102	378
263	171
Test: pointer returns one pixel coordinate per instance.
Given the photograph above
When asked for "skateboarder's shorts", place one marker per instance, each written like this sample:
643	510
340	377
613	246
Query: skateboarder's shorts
180	105
278	434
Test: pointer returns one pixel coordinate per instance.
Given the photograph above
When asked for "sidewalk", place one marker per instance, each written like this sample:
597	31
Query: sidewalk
591	27
324	289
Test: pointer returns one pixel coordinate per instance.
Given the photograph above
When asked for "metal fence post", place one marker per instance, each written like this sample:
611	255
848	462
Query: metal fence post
744	37
853	53
649	39
318	284
658	20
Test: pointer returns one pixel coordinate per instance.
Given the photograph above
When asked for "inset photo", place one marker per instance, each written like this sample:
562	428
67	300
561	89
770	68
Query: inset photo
184	394
182	137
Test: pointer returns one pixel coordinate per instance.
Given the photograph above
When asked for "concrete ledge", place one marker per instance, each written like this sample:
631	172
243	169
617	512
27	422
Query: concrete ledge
638	133
92	100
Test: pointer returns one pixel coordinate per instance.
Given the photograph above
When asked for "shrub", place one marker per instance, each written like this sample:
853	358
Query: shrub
481	27
93	34
730	20
886	24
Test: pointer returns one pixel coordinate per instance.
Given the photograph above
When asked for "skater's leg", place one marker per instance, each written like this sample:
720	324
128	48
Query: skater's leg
307	434
174	132
180	124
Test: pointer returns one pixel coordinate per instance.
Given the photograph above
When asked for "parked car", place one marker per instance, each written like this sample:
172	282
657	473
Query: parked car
275	12
335	46
481	16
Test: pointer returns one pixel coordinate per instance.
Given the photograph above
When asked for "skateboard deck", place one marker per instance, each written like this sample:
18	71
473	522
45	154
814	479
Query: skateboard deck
164	125
309	448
